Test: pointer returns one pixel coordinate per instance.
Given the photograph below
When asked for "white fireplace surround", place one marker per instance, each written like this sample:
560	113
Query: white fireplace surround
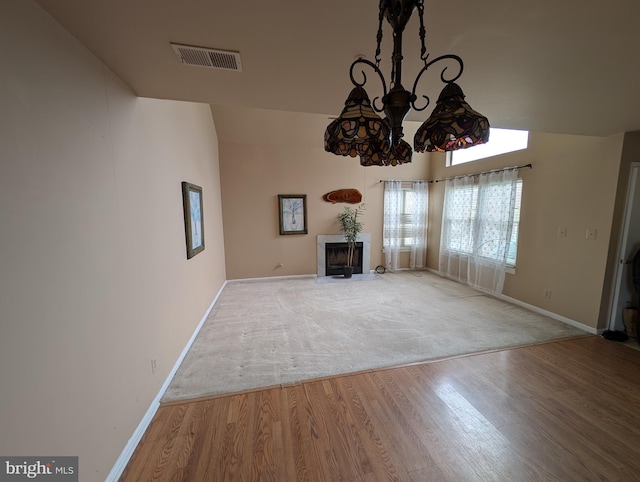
323	239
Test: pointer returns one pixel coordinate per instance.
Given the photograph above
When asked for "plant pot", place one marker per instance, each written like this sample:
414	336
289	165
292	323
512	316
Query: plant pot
347	271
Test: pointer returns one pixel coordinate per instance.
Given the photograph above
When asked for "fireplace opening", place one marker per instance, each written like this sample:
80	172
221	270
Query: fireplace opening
336	258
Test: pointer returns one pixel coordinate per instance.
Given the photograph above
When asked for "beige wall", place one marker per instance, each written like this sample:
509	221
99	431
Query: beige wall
258	161
572	185
94	279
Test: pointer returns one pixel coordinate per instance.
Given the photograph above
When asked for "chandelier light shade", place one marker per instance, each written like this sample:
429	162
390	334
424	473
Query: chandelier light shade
360	131
453	124
398	153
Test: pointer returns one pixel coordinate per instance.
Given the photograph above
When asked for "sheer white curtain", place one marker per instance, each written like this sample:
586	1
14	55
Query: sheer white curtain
391	226
476	229
419	224
456	238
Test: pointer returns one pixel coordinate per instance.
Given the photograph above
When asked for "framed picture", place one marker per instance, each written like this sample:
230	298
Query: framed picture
193	218
293	213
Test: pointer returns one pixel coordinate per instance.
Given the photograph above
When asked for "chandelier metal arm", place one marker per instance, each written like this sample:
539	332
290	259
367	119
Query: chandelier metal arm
444	78
364	79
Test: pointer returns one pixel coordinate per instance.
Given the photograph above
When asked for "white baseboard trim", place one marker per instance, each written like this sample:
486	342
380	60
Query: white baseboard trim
127	452
291	276
267	278
536	309
550	314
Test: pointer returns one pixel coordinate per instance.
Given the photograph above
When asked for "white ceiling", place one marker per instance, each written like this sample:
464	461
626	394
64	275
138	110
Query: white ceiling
544	65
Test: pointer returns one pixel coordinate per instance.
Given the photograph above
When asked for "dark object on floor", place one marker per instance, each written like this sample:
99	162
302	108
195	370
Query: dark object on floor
615	335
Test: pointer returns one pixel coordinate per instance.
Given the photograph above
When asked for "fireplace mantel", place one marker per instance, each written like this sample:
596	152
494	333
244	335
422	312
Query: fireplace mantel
323	239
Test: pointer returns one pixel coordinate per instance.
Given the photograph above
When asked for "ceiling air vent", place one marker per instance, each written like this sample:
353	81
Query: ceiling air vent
209	58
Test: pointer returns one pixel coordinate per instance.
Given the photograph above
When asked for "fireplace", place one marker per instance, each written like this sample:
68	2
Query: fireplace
336	258
364	240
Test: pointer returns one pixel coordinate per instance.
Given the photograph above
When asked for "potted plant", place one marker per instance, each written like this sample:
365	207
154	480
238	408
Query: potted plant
350	226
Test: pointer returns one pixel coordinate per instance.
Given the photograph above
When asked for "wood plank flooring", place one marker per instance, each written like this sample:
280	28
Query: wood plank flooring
566	410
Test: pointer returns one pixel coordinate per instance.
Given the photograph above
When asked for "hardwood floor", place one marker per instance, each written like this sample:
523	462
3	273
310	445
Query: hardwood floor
567	410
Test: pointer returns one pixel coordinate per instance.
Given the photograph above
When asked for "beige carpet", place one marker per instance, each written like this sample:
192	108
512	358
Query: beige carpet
280	331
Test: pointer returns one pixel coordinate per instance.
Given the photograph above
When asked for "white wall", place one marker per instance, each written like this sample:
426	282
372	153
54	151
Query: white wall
94	279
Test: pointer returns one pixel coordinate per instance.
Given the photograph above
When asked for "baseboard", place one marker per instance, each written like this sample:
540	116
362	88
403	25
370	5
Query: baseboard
291	276
550	314
536	309
266	278
127	452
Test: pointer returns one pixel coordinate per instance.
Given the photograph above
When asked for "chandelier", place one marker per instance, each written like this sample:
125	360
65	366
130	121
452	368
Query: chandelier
360	131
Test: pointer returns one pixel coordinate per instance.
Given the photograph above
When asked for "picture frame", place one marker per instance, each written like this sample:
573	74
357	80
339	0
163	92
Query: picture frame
193	218
292	213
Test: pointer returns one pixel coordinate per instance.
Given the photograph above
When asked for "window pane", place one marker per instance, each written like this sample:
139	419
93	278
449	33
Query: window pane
406	217
463	217
501	141
513	245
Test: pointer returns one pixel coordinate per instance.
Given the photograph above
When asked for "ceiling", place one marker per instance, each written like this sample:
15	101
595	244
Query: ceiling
546	65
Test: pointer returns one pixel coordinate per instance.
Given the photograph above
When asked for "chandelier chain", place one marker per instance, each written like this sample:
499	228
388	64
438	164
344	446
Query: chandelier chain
423	32
379	37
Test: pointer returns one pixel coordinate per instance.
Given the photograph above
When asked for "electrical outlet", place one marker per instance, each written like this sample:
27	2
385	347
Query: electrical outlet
562	232
154	364
590	234
546	294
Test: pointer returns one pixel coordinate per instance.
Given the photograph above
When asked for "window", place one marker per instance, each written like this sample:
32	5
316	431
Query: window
464	217
501	141
405	222
411	207
407	209
513	244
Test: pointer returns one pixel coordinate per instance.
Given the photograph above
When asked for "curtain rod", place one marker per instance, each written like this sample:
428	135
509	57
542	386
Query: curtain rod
525	166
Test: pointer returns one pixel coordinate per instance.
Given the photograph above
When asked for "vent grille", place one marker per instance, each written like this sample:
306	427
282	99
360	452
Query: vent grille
208	58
